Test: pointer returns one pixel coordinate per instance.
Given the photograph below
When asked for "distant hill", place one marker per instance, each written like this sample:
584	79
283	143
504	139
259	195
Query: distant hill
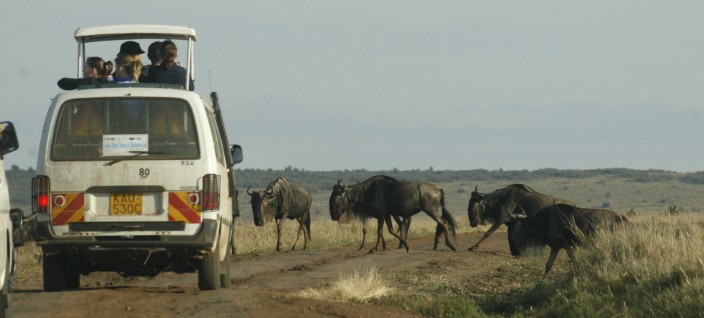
463	181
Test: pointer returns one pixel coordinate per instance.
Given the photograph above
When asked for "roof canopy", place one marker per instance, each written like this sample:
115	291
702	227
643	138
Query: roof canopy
134	31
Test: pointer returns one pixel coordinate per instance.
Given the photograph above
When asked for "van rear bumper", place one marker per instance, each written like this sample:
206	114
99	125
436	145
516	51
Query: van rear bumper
205	238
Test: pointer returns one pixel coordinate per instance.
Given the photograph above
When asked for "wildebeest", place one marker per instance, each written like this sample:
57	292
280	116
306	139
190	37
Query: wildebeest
563	226
499	206
403	223
382	197
280	201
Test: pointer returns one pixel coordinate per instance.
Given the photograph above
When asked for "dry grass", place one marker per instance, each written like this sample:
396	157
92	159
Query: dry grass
654	267
29	264
650	247
327	234
369	284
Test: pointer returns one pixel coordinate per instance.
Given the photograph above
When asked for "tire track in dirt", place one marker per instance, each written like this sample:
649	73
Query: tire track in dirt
263	285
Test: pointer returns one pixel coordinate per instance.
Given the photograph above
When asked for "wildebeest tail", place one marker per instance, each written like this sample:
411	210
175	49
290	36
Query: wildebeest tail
447	215
307	225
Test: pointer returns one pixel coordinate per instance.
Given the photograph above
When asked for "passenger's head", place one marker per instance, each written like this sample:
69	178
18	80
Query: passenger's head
153	52
128	66
96	67
169	52
131	48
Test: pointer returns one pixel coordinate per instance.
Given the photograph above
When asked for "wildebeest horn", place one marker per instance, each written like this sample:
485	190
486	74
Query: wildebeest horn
269	192
250	193
475	188
339	182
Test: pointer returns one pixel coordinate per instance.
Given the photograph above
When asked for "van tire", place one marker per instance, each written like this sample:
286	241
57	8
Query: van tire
209	270
58	275
5	298
226	269
54	272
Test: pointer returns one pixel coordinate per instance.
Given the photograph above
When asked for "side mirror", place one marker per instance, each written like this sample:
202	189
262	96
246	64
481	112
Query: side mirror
237	155
17	217
8	138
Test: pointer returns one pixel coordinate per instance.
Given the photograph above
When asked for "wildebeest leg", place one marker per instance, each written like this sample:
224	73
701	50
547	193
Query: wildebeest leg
383	241
300	228
379	229
441	223
279	223
551	259
394	233
487	234
306	229
364	234
438	231
512	245
403	225
571	252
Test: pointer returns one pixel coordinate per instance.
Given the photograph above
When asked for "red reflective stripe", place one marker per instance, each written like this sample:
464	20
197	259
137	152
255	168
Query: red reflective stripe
183	208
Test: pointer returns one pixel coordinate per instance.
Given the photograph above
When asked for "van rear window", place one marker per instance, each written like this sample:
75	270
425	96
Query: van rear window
98	129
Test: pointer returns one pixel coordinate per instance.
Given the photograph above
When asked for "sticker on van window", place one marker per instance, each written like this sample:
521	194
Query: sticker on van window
124	145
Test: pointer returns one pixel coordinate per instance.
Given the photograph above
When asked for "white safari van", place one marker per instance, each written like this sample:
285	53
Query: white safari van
135	178
9	219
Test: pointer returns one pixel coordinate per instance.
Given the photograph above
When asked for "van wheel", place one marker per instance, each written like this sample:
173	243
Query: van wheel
57	274
209	271
5	298
226	269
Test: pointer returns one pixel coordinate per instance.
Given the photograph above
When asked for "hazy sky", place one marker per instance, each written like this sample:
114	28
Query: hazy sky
327	85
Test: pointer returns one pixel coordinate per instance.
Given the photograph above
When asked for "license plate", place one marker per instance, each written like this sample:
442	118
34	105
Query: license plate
125	203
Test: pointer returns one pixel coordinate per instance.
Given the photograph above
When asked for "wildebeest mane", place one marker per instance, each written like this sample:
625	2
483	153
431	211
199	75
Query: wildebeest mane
285	195
364	197
501	203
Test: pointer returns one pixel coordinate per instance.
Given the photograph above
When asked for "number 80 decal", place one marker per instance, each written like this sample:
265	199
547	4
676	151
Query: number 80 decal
144	172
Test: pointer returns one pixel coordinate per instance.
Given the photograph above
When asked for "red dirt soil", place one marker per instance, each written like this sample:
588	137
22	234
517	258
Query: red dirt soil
263	284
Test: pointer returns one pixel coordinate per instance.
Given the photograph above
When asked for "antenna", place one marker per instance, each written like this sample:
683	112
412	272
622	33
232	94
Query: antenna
210	82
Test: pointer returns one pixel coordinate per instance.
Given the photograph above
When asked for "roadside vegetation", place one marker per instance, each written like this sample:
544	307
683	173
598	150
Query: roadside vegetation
653	268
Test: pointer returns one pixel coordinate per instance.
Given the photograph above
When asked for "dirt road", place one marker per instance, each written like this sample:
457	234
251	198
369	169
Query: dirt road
263	285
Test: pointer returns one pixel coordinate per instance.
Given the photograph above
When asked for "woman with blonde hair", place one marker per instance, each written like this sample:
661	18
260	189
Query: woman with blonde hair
129	67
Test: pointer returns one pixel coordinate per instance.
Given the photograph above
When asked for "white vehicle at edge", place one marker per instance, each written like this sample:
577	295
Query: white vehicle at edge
135	178
10	219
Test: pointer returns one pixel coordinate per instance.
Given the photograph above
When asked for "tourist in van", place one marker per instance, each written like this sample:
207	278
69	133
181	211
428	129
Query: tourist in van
154	55
169	72
131	48
128	69
95	71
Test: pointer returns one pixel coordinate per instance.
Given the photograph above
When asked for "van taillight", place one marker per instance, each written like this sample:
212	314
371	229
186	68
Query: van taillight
210	199
40	194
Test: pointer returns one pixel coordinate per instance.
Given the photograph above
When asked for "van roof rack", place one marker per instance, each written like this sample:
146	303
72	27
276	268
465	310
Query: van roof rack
133	31
136	32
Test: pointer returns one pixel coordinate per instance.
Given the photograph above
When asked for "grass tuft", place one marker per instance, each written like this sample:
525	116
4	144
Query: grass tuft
358	286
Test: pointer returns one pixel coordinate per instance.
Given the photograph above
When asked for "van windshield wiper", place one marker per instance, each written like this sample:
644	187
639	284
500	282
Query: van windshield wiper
138	153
